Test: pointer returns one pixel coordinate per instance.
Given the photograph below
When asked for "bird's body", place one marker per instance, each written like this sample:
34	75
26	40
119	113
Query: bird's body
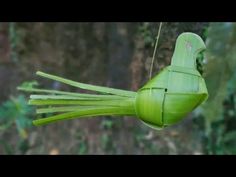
164	100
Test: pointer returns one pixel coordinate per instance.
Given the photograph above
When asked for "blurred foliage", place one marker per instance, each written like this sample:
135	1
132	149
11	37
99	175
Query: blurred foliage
142	140
16	113
107	124
107	144
145	31
200	58
219	71
15	40
82	143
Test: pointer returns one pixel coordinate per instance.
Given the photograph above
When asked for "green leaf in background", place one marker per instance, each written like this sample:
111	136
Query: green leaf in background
220	67
16	111
220	76
229	141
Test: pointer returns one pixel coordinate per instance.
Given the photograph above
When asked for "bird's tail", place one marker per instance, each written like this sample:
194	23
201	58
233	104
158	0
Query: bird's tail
71	105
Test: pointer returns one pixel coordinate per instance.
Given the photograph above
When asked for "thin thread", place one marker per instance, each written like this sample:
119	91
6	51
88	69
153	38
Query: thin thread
155	49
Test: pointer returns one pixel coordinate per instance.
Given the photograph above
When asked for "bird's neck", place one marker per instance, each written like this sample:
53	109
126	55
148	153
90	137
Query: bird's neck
184	55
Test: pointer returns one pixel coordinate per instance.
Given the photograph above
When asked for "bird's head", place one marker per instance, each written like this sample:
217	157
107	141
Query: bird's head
188	46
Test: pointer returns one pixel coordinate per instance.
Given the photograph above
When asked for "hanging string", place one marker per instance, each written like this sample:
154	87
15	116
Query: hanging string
155	49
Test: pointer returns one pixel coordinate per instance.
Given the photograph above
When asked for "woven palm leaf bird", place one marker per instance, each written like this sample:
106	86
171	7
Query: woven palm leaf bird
163	101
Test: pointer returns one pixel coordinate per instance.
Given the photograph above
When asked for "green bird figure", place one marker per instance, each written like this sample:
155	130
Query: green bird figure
163	101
